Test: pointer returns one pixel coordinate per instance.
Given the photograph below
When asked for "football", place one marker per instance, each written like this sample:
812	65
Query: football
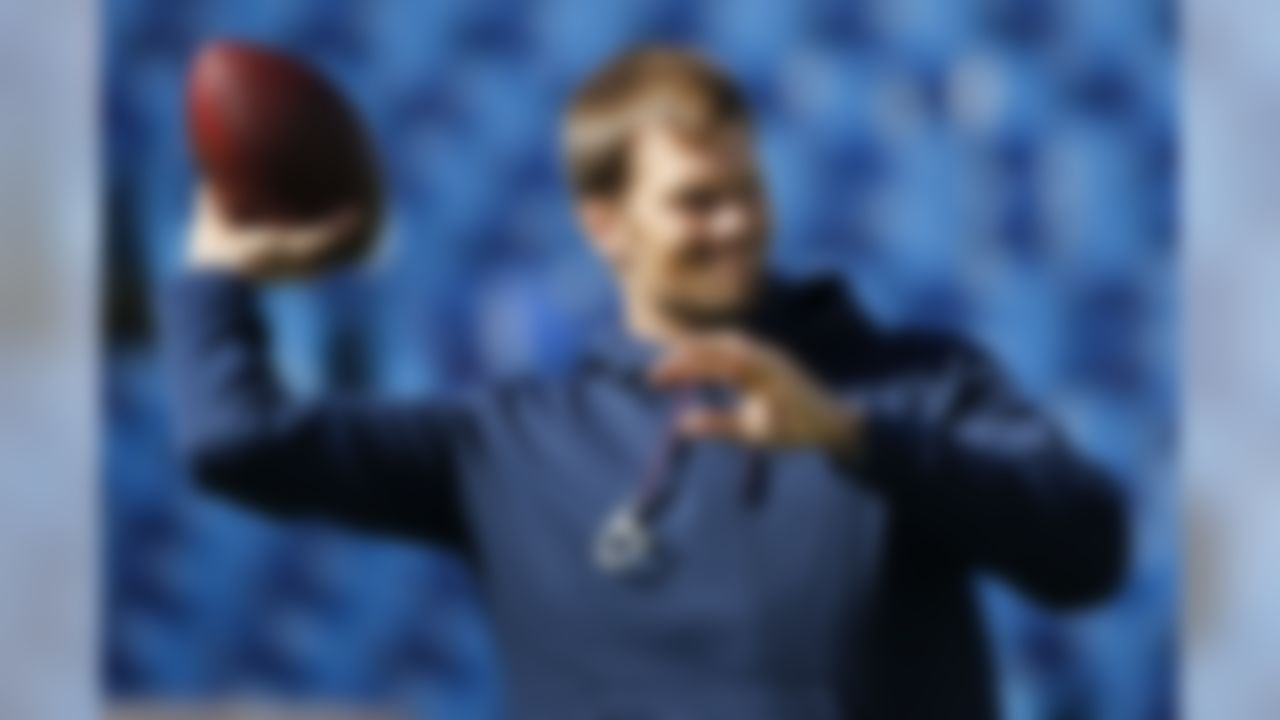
277	142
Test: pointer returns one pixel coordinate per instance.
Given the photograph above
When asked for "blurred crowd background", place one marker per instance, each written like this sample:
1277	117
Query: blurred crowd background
1002	168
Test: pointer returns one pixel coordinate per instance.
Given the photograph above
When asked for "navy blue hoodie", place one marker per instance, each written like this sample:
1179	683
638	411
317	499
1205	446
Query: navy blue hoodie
789	585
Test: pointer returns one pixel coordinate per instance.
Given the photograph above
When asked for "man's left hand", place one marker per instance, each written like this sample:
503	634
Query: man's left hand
778	403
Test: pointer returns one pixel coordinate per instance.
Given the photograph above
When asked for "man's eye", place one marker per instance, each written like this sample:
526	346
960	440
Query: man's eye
747	189
698	201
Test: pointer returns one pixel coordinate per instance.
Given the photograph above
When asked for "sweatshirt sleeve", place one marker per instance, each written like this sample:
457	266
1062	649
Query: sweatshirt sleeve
984	476
378	466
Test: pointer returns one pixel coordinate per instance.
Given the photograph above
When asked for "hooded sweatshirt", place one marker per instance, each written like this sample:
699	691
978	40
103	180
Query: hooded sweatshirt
775	584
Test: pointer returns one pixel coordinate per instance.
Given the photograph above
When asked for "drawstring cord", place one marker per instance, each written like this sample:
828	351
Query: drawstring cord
657	484
625	544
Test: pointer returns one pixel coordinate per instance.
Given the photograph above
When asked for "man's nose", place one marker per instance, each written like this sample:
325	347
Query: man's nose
732	221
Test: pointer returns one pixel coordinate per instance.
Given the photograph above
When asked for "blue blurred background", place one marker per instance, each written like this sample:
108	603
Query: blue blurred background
1003	168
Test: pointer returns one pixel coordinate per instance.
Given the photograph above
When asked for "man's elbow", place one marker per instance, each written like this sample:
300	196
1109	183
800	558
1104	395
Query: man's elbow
228	464
1098	557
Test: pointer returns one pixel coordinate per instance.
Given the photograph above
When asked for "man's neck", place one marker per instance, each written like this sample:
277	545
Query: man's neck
650	323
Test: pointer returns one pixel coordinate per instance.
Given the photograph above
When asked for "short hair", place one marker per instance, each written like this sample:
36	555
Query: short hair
646	85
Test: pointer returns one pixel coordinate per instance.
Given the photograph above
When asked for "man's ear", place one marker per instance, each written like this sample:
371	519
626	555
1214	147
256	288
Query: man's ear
600	221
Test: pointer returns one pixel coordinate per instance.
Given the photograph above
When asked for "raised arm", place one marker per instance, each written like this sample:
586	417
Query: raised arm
379	466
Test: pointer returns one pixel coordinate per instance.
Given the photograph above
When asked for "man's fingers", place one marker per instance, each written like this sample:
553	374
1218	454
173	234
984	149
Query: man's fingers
707	423
293	236
300	246
334	225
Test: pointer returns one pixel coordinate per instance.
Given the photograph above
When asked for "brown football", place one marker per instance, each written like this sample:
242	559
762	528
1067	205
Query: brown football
277	142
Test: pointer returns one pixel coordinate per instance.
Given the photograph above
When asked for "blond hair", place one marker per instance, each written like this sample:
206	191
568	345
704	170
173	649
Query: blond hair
647	85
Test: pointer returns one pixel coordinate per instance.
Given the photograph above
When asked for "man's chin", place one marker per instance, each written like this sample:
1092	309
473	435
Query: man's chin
718	309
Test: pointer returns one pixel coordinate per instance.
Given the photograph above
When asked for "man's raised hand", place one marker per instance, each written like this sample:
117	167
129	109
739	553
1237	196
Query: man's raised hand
778	404
267	251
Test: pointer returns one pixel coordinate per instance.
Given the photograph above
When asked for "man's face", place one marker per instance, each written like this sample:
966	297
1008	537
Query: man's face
688	233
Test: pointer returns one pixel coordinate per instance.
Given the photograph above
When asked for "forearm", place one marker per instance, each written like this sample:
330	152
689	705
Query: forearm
227	402
375	464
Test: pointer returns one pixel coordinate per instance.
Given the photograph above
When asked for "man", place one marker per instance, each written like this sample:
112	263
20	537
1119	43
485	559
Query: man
750	504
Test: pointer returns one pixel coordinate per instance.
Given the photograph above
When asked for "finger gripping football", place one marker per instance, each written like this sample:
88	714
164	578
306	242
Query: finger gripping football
277	142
